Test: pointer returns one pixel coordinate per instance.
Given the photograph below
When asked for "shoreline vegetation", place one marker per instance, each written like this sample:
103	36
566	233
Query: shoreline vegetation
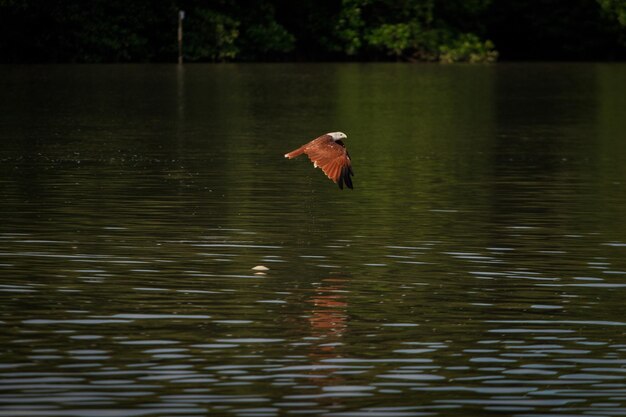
474	31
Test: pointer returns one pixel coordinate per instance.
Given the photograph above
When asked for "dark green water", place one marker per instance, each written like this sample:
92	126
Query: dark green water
478	267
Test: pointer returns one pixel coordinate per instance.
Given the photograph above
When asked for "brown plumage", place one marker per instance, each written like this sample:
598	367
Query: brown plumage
328	153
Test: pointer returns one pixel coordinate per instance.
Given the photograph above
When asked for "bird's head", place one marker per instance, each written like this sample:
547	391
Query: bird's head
337	136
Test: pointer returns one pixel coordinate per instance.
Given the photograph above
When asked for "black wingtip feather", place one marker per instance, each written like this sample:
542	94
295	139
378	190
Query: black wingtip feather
345	176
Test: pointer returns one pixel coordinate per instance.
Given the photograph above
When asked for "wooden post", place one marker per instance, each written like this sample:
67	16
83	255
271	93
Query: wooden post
181	16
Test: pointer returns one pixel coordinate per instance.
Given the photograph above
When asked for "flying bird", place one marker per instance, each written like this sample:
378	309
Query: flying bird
329	153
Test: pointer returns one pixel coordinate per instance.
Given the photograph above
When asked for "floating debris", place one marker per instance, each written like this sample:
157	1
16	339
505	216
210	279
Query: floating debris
260	268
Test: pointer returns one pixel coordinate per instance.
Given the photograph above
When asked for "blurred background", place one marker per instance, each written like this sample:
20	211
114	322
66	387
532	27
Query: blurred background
34	31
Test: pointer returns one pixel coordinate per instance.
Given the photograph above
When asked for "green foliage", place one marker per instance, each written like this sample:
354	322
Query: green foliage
234	30
269	38
349	28
394	39
553	29
616	9
468	48
410	30
262	37
77	31
213	38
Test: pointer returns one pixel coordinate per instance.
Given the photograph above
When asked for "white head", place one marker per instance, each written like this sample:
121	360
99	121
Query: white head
337	135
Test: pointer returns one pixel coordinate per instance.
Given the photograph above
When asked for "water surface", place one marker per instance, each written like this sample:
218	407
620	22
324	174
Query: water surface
477	268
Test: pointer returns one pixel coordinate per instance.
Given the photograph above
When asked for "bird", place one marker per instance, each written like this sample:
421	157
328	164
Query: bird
329	153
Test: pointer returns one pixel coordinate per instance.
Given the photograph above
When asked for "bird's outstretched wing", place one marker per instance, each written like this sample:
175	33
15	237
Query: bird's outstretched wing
332	158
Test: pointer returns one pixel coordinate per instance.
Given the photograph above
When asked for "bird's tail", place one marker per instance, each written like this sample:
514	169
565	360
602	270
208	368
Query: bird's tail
295	153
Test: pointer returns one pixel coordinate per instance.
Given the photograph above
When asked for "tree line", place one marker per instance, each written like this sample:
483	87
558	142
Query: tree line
34	31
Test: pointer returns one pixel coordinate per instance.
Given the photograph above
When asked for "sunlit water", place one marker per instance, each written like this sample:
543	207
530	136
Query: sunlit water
477	268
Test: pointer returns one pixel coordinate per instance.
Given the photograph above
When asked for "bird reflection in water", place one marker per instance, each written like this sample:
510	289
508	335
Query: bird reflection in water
328	322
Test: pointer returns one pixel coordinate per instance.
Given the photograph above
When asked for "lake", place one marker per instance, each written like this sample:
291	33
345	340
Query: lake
477	268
